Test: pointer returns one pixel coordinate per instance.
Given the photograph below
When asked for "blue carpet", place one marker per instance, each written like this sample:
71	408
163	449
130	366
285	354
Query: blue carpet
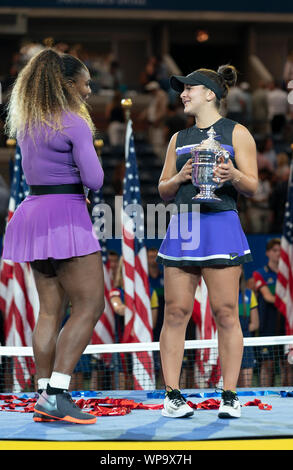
150	425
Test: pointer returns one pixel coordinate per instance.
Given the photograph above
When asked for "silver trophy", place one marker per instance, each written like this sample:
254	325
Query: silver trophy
205	156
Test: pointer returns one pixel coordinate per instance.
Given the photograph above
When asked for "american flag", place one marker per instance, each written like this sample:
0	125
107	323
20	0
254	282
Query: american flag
138	315
104	332
207	364
284	285
19	299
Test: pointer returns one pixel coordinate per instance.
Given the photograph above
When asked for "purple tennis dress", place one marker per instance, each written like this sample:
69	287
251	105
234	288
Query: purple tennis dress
55	225
206	234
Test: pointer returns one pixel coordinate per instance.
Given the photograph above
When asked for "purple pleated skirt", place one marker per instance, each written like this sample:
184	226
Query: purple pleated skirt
50	226
207	239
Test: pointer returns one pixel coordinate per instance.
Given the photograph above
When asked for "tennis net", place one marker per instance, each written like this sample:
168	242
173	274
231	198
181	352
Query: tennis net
267	362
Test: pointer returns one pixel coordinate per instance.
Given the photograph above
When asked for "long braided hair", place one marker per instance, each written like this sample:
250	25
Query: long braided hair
42	92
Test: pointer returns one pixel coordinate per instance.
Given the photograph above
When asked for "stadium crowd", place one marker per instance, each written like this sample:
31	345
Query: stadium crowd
265	110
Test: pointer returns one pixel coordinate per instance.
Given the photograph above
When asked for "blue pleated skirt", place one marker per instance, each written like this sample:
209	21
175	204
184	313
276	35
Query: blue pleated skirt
204	239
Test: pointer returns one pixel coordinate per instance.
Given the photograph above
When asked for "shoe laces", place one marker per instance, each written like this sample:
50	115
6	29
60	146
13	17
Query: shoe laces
228	397
70	399
176	397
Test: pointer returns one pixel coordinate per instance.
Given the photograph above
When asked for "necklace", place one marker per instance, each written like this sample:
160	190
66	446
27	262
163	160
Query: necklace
201	130
205	129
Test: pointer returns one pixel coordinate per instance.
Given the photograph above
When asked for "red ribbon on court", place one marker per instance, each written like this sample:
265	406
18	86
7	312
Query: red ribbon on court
210	404
112	406
261	406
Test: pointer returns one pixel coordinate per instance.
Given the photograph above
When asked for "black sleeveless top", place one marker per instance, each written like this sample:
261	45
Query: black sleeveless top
186	139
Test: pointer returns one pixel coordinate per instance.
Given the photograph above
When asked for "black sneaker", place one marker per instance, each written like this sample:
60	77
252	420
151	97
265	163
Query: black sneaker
175	405
229	405
61	407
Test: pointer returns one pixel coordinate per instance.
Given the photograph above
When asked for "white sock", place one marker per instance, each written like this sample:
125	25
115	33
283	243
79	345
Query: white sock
42	383
59	380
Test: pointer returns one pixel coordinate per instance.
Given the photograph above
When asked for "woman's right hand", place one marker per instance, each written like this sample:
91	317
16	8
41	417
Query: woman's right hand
185	174
170	179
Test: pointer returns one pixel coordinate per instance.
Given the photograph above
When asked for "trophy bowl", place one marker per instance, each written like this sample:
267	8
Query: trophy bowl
205	156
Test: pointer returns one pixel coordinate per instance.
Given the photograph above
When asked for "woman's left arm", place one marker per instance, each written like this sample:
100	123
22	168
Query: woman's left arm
84	154
245	177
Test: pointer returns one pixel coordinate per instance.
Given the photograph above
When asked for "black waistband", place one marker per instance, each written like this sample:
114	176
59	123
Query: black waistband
38	190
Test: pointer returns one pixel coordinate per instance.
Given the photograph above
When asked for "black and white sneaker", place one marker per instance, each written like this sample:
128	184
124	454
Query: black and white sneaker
175	405
229	406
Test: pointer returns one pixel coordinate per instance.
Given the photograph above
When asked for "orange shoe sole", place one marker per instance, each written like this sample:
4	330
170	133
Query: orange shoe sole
39	419
68	419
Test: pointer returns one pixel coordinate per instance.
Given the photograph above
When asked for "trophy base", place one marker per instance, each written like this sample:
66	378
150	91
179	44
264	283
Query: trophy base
205	199
206	196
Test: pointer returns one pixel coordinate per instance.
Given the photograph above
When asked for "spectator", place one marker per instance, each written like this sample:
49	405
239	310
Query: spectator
154	115
61	47
116	118
76	50
174	122
278	108
288	69
149	73
271	322
113	258
266	160
283	166
108	73
279	194
117	75
28	50
249	321
269	151
162	74
245	87
235	103
260	109
117	179
258	209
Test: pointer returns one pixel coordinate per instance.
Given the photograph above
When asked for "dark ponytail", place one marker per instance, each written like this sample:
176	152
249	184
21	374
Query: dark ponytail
225	77
228	74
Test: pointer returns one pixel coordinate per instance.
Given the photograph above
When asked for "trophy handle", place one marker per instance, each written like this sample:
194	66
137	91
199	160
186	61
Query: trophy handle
226	157
223	157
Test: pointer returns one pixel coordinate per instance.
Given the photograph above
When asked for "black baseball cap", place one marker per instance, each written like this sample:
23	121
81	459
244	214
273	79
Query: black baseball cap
195	78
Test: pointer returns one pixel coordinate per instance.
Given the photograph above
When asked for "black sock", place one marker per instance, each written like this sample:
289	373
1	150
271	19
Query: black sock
53	390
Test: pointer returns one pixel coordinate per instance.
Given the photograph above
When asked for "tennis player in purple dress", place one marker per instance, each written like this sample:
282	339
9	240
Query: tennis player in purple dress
219	246
51	228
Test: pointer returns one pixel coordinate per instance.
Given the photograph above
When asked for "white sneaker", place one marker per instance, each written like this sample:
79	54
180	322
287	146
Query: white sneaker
175	405
229	405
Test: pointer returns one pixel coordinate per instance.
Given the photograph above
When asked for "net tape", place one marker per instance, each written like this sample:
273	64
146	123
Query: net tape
153	346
